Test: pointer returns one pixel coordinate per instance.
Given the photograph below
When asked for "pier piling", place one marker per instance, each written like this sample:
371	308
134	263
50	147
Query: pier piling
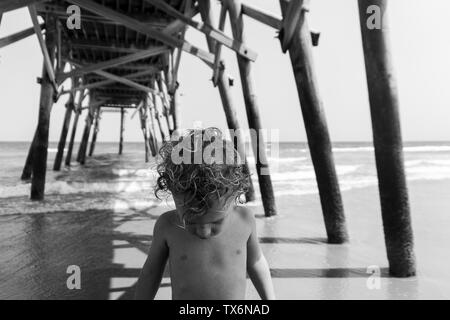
143	119
28	167
226	97
64	131
300	51
384	109
170	74
262	168
151	128
81	158
159	114
77	112
94	135
39	157
122	118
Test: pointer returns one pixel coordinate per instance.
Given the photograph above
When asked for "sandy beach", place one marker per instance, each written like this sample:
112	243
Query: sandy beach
100	217
110	246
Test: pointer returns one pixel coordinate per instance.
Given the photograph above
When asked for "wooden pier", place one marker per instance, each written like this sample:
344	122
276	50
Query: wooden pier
124	55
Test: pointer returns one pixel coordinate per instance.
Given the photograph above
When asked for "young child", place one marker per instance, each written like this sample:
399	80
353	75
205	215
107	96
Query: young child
211	243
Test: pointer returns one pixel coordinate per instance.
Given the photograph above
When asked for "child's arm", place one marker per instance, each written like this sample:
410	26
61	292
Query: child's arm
152	272
257	266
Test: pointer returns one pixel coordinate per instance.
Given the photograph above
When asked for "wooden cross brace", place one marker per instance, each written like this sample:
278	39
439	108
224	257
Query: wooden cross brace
209	31
278	23
119	79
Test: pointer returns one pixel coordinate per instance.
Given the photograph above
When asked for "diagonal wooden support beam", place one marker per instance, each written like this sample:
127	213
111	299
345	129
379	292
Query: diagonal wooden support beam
108	82
112	63
275	21
177	25
142	28
125	81
173	83
47	61
209	31
262	16
9	5
5	41
98	103
218	47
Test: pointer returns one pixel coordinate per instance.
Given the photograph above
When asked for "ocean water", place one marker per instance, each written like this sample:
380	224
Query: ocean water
107	177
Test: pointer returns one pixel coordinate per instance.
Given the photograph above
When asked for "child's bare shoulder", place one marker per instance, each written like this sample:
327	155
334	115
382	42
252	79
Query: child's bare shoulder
166	220
246	215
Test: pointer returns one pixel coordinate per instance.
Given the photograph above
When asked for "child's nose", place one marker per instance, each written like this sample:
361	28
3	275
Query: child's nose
204	232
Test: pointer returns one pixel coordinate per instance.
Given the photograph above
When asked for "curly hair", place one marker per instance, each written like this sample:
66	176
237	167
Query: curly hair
186	168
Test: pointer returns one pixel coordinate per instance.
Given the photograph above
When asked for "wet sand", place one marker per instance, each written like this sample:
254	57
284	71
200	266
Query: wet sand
110	246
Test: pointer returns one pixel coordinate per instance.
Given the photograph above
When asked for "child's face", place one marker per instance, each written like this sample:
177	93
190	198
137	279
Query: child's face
207	225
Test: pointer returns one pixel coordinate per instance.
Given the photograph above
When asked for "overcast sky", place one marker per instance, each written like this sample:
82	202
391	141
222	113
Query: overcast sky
420	37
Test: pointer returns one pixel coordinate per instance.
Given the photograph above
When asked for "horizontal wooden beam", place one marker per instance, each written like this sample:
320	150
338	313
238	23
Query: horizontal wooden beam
138	26
118	105
104	46
115	88
9	5
130	67
208	30
115	109
123	95
5	41
123	102
112	63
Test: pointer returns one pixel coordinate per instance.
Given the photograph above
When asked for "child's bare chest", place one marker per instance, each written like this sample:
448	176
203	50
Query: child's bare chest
224	253
213	268
214	251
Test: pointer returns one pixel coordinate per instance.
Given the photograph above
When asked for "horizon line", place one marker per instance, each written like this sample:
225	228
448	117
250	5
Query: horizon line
282	141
